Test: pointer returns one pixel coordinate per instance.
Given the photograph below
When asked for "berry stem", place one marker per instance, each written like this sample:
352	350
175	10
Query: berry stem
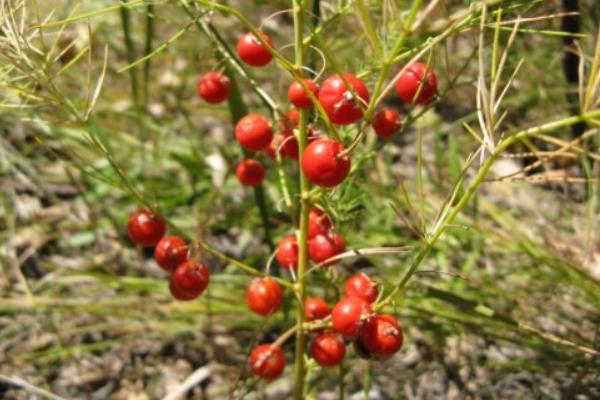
299	367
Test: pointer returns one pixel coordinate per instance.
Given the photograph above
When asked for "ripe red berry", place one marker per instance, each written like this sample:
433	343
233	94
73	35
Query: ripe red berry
271	149
299	97
328	349
315	308
178	294
170	252
250	172
338	241
254	132
341	105
386	123
360	285
322	247
252	51
319	222
348	315
267	361
287	252
417	78
263	296
289	121
214	87
381	336
322	165
146	228
289	146
189	279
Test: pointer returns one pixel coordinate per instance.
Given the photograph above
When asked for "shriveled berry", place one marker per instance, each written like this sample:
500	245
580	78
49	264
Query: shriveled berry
252	51
386	123
170	252
254	132
250	172
360	285
322	164
343	104
146	228
264	296
298	96
214	87
348	315
328	349
287	252
381	336
417	84
319	222
267	361
190	279
315	308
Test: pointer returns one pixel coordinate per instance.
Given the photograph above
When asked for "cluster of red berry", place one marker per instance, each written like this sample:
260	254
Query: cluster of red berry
189	278
374	336
343	97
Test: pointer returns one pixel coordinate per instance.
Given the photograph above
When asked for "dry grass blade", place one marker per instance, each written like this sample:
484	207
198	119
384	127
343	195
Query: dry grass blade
29	388
364	252
197	377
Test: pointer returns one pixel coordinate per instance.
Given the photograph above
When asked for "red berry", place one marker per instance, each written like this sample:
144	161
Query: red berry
146	228
267	361
417	77
348	315
178	294
263	296
289	146
170	252
214	87
341	105
319	223
254	132
381	336
271	149
321	164
189	279
287	252
328	349
386	123
289	121
315	308
252	51
338	241
321	248
360	285
250	172
299	97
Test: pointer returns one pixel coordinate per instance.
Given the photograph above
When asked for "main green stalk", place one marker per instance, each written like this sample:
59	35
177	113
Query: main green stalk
299	367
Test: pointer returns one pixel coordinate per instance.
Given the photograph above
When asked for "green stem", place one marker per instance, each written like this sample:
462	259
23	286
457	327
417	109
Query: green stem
148	50
299	367
130	50
478	181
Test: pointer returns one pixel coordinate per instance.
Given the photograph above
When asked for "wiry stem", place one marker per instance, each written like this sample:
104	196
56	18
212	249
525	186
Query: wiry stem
300	370
468	194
